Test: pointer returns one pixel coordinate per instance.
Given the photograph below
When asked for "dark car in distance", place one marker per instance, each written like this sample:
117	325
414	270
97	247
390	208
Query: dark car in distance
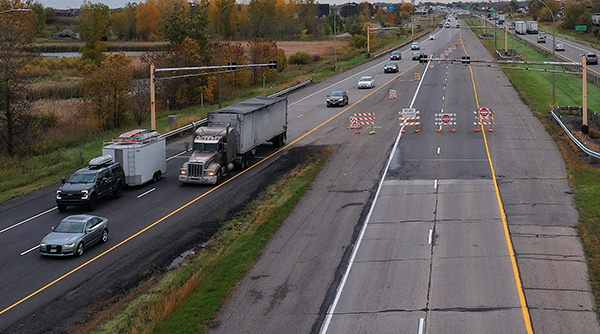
390	67
396	55
337	98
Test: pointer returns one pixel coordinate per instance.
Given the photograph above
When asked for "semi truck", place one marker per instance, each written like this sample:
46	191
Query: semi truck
596	19
501	18
521	27
231	136
142	154
532	27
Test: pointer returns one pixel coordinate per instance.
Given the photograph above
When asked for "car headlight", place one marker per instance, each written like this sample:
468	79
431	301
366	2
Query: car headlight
42	245
70	245
85	194
182	172
210	173
58	194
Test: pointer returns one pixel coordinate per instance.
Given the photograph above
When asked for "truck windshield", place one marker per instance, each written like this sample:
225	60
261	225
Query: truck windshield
205	147
82	178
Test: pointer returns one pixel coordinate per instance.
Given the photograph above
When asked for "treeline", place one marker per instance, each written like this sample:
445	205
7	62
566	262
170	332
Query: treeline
275	19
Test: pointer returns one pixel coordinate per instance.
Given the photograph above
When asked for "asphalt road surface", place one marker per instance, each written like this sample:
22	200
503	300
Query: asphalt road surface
420	228
390	239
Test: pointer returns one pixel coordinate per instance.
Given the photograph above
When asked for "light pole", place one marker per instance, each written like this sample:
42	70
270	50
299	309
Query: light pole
553	54
335	31
219	44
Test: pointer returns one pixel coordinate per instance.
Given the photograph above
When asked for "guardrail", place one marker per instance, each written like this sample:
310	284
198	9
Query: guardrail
205	120
568	131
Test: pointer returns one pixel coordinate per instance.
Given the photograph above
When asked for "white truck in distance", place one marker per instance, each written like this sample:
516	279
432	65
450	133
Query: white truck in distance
532	27
142	154
231	137
521	27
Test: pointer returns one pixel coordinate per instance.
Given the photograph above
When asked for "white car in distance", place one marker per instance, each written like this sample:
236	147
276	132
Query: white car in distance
366	82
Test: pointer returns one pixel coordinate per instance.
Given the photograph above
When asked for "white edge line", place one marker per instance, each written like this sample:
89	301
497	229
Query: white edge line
146	193
340	288
430	238
176	155
421	325
435	184
28	219
30	250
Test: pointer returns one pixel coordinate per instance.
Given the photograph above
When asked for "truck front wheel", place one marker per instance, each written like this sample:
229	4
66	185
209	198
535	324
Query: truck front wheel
118	190
93	202
61	207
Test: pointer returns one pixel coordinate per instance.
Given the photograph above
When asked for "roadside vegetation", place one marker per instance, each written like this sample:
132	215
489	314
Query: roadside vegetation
187	299
584	177
56	113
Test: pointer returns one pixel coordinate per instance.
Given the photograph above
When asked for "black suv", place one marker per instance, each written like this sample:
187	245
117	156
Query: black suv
100	178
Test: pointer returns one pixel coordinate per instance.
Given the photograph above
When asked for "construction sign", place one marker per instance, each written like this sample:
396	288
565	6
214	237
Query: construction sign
445	120
484	117
408	116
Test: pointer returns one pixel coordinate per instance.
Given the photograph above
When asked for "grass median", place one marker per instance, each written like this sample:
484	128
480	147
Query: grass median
187	299
535	89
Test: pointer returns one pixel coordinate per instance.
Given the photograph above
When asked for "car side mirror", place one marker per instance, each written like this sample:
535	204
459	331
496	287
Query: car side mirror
52	228
327	95
88	230
63	180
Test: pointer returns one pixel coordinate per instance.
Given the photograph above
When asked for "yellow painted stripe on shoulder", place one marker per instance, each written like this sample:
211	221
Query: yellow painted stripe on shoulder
511	251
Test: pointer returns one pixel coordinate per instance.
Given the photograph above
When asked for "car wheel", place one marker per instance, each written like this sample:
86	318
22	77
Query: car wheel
79	250
93	202
61	207
118	190
104	236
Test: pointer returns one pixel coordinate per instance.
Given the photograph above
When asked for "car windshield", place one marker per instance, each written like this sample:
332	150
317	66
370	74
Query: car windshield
83	178
336	94
363	79
591	55
69	226
395	53
391	64
212	147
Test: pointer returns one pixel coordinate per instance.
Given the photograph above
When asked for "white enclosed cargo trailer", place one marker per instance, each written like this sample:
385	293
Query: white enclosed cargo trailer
521	27
143	161
532	27
256	121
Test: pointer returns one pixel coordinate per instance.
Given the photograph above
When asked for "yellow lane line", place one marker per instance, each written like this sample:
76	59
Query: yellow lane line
513	260
197	198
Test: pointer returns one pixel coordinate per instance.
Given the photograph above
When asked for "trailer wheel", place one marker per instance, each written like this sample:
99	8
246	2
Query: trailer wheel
157	176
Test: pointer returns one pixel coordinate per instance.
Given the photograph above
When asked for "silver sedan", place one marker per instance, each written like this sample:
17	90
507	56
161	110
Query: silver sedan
74	234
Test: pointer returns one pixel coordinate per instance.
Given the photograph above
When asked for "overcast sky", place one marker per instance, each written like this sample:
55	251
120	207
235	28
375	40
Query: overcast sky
64	4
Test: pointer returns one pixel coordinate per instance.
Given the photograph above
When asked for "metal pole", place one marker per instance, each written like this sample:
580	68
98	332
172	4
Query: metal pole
584	126
152	99
219	44
553	53
335	38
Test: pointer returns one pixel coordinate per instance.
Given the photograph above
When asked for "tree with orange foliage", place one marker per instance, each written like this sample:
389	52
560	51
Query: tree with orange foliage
148	17
107	87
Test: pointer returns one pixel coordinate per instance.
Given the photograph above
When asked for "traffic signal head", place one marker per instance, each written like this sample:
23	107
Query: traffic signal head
233	67
273	64
466	59
423	58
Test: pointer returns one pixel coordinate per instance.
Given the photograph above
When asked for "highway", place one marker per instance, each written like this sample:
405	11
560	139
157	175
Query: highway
401	232
425	248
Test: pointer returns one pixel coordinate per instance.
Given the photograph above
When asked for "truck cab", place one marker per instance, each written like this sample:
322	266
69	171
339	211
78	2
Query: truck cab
212	157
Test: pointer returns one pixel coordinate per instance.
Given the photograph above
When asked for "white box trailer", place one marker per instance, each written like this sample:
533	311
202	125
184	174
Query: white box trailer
521	27
532	27
256	121
142	161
